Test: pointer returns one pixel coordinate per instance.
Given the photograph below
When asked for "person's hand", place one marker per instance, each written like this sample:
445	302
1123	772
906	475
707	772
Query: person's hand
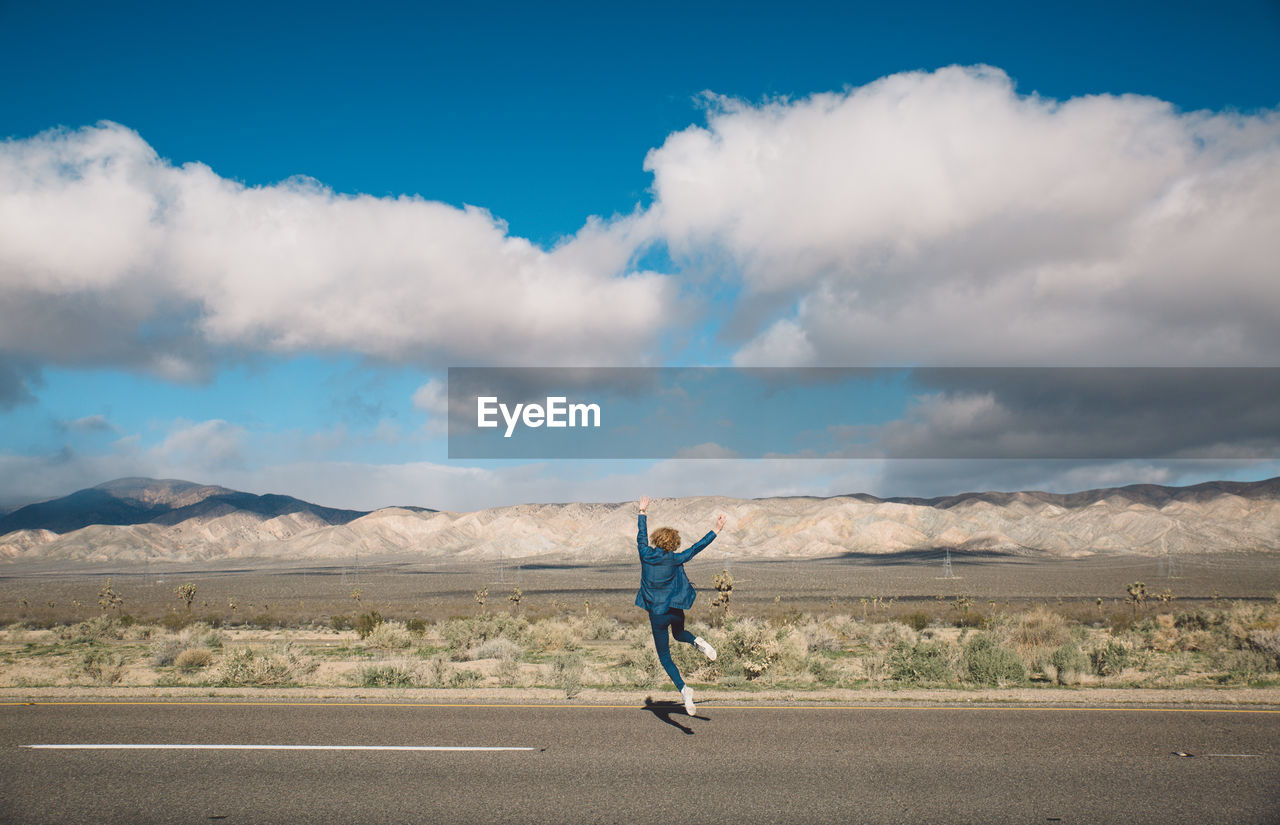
644	503
720	522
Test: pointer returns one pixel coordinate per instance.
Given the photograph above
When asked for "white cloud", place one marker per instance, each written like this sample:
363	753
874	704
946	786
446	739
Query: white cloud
202	447
943	218
432	398
112	255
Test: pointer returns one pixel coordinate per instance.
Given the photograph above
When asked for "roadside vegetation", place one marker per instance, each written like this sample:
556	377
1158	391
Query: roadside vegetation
1144	641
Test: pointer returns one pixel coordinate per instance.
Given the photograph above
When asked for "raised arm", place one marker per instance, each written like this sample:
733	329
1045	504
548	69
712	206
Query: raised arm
642	533
699	545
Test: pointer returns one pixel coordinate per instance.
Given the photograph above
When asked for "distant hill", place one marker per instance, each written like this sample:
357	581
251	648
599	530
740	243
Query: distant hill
144	520
128	501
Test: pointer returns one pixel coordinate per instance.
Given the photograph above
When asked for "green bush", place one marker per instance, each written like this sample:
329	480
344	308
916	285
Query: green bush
919	663
417	627
972	619
465	679
387	676
987	662
1069	660
1109	659
566	673
340	622
366	622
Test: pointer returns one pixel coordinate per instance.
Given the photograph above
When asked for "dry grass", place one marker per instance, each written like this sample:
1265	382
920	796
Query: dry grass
1232	644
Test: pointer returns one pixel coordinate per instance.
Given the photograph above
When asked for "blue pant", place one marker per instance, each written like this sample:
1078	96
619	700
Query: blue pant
674	619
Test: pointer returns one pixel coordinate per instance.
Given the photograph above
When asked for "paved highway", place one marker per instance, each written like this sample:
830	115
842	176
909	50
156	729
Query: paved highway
592	764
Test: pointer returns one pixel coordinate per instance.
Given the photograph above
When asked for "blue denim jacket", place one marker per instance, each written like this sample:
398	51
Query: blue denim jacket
663	584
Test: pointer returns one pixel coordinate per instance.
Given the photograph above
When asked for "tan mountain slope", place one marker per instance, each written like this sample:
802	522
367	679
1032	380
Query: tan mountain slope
1150	520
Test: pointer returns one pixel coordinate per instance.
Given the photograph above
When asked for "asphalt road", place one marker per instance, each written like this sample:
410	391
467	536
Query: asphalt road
635	765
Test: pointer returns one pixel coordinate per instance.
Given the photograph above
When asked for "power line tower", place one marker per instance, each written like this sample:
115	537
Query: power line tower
946	565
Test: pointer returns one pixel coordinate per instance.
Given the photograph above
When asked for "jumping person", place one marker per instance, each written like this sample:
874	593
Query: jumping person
666	593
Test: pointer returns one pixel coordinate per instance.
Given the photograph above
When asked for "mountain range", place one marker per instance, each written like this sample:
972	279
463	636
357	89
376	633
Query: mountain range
139	520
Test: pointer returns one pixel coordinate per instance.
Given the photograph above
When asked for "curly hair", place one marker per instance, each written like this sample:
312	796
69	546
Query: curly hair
666	538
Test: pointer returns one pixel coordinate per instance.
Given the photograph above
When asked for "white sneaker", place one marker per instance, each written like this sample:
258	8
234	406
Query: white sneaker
707	650
687	693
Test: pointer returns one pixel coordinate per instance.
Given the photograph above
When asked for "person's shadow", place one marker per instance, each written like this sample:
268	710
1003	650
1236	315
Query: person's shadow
664	710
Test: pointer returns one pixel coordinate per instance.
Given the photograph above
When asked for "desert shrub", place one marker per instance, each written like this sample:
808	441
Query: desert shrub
366	622
500	648
255	667
97	629
438	671
264	621
389	635
465	679
461	634
1110	658
173	622
1038	628
165	651
987	662
645	661
888	635
102	667
1267	642
822	670
916	621
1241	666
1120	623
551	635
971	619
508	673
751	647
1069	661
1195	620
340	621
920	663
194	658
387	676
138	632
566	673
416	627
599	627
820	638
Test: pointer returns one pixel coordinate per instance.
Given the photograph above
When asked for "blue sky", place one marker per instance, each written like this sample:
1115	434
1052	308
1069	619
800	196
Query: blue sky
648	184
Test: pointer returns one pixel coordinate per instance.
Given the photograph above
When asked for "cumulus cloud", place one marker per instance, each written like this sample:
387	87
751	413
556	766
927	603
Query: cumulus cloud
945	218
112	255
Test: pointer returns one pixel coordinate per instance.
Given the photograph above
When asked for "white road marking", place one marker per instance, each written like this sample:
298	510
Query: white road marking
281	747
